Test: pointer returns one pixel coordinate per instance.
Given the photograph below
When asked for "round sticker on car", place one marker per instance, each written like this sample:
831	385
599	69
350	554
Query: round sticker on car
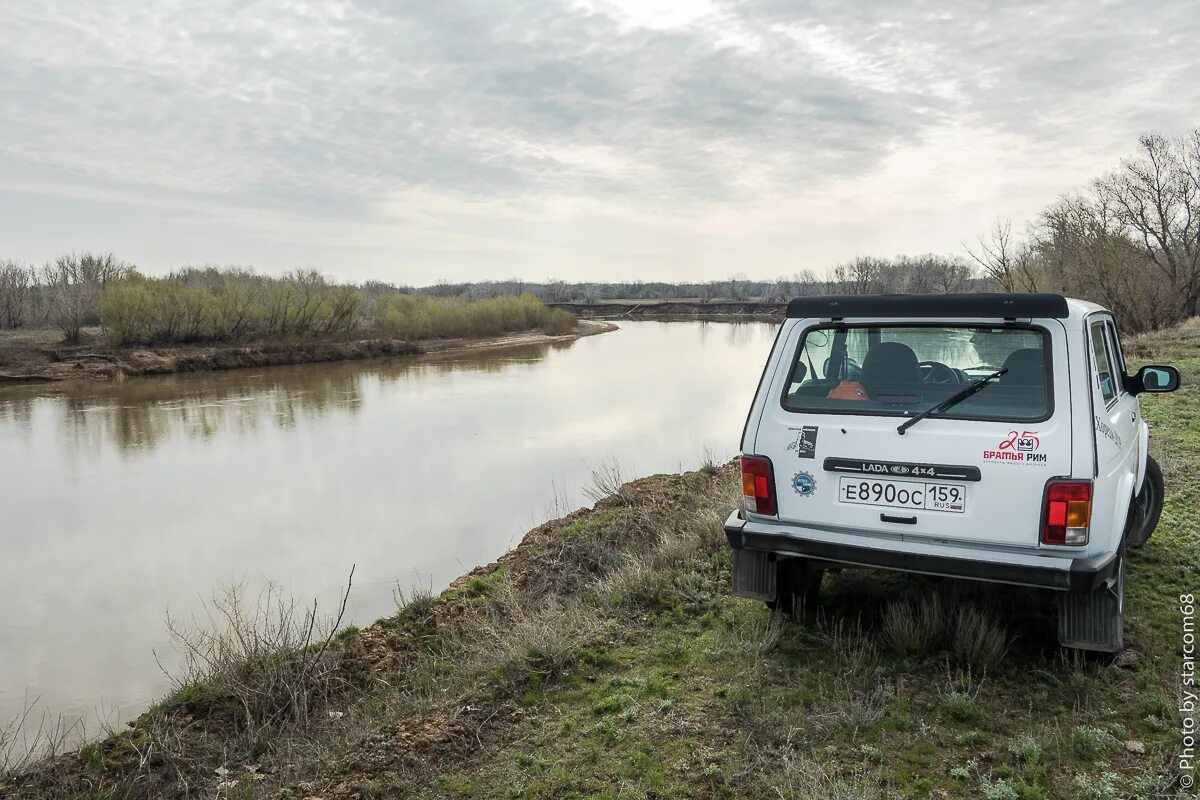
804	483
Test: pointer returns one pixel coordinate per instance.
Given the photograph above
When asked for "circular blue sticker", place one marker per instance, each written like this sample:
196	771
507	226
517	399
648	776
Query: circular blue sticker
804	484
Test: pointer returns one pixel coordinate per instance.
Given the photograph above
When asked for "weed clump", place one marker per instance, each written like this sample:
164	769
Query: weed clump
978	639
1088	741
1025	749
960	706
914	629
1000	790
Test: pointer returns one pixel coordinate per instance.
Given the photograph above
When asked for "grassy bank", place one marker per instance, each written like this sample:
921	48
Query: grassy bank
604	657
111	321
145	331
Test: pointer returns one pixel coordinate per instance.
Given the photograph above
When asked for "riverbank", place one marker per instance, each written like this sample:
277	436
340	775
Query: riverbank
32	358
604	657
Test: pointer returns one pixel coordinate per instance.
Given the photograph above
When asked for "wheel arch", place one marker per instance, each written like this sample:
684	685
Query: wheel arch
1143	453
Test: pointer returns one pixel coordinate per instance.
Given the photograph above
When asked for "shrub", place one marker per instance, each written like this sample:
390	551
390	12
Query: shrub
978	639
408	316
266	665
1000	790
914	629
516	645
1106	787
1088	741
1025	749
209	304
960	706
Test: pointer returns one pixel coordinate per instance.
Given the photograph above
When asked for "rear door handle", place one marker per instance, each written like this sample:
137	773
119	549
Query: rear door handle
901	520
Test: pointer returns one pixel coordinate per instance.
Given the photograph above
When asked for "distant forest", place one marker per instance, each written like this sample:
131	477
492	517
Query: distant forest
919	274
1130	240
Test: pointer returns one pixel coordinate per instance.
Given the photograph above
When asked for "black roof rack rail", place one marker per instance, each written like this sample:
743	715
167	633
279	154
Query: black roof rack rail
951	306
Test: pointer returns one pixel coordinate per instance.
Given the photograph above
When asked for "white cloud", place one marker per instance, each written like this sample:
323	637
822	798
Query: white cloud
601	138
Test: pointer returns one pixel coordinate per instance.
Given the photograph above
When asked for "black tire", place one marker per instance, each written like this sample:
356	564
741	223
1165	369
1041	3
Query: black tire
1146	507
797	586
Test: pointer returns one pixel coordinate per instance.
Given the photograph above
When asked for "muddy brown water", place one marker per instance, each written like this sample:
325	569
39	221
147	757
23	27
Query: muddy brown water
122	502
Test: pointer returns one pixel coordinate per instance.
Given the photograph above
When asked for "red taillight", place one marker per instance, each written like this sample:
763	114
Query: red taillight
758	485
1068	513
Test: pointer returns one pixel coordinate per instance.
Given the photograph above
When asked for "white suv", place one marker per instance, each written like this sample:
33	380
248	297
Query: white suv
994	437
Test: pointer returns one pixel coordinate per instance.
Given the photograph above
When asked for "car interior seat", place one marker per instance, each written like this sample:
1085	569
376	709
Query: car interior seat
888	367
1026	367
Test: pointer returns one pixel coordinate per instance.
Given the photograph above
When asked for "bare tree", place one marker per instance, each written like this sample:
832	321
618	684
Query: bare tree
1156	196
556	291
1084	250
933	273
863	275
17	284
738	288
781	291
74	284
1011	264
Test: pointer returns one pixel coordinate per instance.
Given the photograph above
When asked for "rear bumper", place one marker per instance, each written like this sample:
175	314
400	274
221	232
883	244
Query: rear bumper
1062	574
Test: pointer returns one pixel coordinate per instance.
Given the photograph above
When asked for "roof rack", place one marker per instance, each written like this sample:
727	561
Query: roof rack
954	306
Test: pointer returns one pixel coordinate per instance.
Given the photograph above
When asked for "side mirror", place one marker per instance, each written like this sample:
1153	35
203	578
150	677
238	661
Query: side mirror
1154	378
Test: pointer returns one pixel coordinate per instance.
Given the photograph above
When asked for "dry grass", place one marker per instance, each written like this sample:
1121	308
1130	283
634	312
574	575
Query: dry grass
32	735
978	639
804	778
754	637
914	628
975	636
266	664
608	481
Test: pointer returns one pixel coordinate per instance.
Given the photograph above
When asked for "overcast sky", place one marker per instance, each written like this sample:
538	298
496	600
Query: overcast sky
579	139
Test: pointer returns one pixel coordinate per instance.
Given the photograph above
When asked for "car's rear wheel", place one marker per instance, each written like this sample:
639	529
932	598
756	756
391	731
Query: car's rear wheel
1146	507
797	585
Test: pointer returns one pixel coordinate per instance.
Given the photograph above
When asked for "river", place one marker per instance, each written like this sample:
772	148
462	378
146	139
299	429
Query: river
127	501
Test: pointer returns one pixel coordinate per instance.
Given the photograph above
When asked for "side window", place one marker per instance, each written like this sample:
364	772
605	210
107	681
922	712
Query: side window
1103	364
1114	343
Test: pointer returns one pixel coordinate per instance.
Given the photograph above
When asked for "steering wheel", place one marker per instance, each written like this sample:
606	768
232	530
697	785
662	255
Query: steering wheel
937	372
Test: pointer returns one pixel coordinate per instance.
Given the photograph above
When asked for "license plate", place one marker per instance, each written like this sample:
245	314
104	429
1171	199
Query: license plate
903	494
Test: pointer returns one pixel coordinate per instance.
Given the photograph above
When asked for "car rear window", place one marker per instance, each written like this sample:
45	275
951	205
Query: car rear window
903	369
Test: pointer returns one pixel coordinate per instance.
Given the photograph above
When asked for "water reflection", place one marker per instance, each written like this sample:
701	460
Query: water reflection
124	500
138	414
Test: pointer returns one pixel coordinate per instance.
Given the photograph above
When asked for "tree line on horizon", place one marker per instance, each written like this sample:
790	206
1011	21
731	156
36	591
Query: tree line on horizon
1130	241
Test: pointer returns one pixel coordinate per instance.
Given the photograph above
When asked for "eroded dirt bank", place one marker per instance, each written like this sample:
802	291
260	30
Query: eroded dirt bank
102	363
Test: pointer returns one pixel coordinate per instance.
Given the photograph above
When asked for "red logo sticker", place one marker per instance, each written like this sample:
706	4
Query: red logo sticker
1020	448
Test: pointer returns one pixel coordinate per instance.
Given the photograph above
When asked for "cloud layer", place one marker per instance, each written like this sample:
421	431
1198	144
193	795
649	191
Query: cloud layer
414	141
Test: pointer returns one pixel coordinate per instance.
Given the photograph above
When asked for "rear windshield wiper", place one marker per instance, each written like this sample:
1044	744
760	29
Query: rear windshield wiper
952	400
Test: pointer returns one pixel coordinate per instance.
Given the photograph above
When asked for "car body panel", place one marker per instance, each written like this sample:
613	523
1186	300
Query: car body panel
1088	436
989	515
